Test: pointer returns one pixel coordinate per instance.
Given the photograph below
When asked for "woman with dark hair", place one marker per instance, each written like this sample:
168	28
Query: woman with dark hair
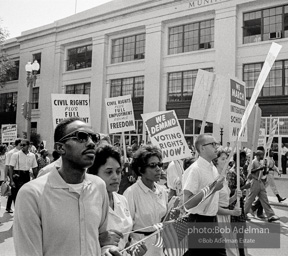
107	165
146	199
224	213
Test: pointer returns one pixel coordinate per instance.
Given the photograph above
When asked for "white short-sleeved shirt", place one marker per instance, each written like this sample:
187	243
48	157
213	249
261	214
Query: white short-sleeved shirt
147	208
9	154
21	161
198	175
120	218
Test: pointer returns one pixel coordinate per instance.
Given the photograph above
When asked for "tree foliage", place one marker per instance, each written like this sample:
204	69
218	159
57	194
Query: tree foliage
7	67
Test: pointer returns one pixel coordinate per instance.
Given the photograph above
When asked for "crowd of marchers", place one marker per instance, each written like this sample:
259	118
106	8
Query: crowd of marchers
90	199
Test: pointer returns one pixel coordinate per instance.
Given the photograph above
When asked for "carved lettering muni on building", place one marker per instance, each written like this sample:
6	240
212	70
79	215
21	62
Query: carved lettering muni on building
200	3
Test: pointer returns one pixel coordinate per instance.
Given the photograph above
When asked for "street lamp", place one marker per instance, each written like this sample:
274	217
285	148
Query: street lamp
221	134
31	70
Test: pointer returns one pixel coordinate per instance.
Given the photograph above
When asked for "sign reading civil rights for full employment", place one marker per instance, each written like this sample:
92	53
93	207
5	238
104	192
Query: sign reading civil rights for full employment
70	105
165	132
237	109
120	114
8	133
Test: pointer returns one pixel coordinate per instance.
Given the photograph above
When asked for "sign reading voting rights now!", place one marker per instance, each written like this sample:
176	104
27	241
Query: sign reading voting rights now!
165	132
120	114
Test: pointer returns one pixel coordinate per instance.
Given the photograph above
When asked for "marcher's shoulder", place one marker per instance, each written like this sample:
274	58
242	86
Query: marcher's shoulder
121	198
35	186
95	179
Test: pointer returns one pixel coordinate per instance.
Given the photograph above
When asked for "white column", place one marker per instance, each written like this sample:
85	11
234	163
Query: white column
153	68
225	41
99	84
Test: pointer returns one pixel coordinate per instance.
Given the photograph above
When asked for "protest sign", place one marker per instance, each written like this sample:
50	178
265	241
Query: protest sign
208	97
273	128
165	132
269	61
8	133
262	137
70	105
120	114
237	109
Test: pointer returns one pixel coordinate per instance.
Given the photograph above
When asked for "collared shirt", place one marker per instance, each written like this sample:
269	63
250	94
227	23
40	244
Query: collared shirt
9	154
200	174
147	208
48	168
284	150
51	219
21	161
120	218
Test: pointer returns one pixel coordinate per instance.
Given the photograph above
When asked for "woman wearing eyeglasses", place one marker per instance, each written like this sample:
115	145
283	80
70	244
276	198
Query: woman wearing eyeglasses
107	165
146	199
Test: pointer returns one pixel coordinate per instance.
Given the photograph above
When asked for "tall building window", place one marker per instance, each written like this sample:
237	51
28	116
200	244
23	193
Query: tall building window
181	84
276	83
13	73
8	102
125	86
83	88
191	37
128	48
266	24
79	57
37	56
35	98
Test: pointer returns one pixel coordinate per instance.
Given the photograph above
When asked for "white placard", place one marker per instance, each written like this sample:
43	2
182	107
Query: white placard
70	105
120	114
9	133
270	59
165	132
208	93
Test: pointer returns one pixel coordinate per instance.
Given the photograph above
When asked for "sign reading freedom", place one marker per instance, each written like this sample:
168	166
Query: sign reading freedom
161	123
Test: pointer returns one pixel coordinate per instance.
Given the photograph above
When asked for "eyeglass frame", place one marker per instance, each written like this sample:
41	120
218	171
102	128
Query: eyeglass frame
70	136
214	144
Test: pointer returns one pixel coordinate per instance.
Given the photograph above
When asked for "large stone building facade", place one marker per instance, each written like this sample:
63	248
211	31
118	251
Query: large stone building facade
151	50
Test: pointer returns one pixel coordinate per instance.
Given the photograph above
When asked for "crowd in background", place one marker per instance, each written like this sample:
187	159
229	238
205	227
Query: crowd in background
140	186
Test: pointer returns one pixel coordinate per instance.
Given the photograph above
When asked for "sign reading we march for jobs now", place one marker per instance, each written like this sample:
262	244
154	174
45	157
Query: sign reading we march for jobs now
120	114
70	105
165	132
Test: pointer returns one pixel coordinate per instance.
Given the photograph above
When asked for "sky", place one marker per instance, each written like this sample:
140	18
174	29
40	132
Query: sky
21	15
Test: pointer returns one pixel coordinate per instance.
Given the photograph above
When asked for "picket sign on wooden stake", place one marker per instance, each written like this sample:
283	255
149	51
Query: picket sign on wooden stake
208	103
124	150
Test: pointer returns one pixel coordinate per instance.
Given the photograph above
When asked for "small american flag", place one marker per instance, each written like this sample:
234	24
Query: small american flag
159	238
175	237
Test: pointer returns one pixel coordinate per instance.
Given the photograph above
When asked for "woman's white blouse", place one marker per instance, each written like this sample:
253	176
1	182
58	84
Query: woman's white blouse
147	208
120	218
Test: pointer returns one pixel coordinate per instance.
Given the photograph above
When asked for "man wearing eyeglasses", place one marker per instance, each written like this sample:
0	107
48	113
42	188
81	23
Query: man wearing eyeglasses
197	179
65	211
20	164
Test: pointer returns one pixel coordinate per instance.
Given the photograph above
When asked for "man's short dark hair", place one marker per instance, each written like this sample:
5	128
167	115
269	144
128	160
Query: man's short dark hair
17	142
60	130
242	155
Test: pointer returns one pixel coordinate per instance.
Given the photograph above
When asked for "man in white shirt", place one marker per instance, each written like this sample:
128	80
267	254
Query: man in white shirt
20	164
12	197
64	212
198	176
